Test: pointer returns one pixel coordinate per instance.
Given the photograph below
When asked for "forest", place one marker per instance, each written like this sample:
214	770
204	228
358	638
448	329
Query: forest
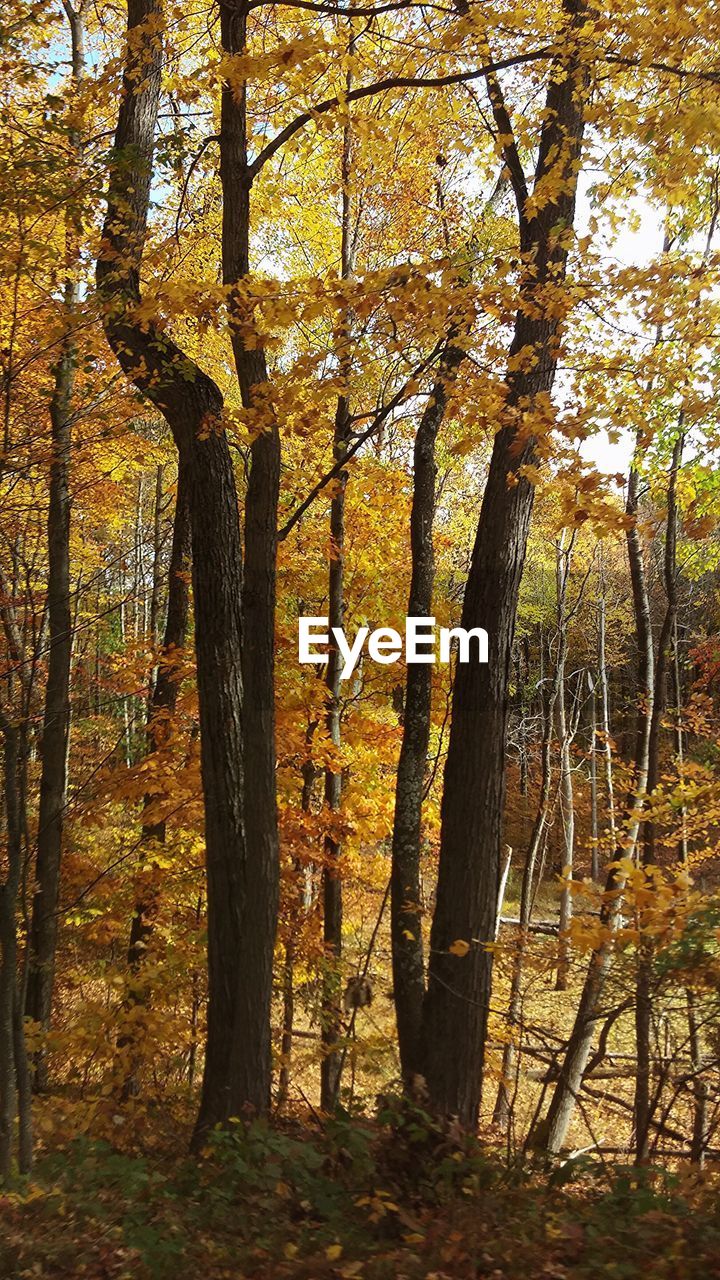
359	311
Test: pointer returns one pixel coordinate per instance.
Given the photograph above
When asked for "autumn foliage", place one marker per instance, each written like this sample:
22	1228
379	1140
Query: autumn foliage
359	311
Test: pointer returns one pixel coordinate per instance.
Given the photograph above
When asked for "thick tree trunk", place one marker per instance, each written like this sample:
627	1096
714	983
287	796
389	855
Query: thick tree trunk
405	902
239	901
456	1003
251	1074
552	1131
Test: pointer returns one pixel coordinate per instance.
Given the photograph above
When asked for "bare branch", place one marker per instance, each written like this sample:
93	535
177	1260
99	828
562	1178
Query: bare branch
214	137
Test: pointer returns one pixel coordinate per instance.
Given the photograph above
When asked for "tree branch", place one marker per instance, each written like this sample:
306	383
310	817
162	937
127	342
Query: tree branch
382	86
459	77
510	153
214	137
371	11
381	416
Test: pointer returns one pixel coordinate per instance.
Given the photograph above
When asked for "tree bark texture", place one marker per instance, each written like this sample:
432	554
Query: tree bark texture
405	899
456	1004
240	902
251	1040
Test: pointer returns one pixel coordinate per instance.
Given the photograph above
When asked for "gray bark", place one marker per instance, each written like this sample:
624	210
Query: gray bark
567	797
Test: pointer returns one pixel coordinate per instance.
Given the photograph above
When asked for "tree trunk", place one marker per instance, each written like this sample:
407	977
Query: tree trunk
239	901
605	709
153	628
330	1067
302	895
458	995
643	1007
331	880
678	735
701	1128
251	1070
56	715
700	1135
503	1104
56	718
567	797
163	701
523	666
594	845
552	1131
14	1071
405	901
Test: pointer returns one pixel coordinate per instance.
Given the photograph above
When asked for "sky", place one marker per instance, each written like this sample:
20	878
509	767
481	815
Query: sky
631	247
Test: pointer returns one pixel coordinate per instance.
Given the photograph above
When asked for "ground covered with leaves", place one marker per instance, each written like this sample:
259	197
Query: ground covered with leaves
398	1197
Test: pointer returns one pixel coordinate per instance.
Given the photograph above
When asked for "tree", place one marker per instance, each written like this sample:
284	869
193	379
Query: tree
455	1010
235	1073
555	1125
405	898
56	716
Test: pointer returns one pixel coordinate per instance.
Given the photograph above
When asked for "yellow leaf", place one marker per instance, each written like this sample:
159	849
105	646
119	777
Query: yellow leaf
333	1252
459	947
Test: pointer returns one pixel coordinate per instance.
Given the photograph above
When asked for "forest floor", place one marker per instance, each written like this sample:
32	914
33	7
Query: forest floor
386	1196
397	1198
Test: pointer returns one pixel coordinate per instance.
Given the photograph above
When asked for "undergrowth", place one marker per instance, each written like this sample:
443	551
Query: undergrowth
399	1196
